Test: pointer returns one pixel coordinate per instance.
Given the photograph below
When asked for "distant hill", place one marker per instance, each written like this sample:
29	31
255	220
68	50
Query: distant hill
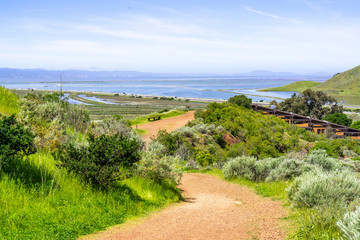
265	73
54	74
343	84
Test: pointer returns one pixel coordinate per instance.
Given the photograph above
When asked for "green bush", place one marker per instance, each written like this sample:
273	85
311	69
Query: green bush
243	166
8	102
204	158
321	159
338	147
158	167
241	100
171	141
287	168
284	167
339	118
350	225
15	139
38	110
114	125
355	125
319	188
105	160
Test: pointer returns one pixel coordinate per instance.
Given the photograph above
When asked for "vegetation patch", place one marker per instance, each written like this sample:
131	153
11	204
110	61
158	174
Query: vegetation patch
8	102
293	87
169	114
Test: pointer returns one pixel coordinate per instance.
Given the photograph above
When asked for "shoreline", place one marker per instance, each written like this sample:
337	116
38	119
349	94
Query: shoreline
192	99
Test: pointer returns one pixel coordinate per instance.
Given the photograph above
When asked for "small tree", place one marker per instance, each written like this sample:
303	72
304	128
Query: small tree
339	118
241	100
310	103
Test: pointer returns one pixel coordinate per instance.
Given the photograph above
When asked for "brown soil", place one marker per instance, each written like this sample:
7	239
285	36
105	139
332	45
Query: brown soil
168	124
214	209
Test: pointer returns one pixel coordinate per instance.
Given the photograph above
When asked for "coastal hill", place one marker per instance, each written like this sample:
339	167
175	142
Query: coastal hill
341	84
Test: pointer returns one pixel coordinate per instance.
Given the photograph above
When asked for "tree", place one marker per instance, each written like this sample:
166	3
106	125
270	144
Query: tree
339	118
356	125
311	103
241	100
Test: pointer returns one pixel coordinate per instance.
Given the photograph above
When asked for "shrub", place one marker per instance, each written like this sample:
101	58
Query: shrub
115	125
324	188
204	158
240	167
288	168
105	160
157	166
38	110
339	118
8	102
355	125
350	225
15	139
322	159
337	147
171	141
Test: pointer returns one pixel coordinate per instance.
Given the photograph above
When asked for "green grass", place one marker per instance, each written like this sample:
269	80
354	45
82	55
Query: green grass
343	84
8	102
169	114
293	87
40	201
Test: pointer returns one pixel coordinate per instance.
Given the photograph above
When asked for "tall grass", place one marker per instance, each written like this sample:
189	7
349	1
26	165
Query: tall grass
8	102
58	205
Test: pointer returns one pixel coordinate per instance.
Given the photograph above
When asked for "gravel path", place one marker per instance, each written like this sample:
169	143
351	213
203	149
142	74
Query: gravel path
169	124
214	209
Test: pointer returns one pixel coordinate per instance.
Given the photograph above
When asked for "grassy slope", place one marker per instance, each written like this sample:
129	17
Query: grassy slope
343	84
44	202
40	201
293	87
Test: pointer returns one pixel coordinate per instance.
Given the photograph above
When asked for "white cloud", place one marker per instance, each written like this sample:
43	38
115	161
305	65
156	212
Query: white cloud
249	9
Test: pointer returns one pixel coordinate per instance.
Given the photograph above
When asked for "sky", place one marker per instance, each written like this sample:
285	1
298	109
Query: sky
181	36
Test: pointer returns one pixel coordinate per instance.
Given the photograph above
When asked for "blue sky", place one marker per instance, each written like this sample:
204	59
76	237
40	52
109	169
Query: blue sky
181	36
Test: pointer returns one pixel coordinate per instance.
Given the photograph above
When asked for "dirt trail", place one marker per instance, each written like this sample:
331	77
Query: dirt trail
169	124
214	209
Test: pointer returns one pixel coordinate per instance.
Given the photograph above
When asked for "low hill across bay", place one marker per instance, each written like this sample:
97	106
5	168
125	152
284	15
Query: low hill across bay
341	84
293	87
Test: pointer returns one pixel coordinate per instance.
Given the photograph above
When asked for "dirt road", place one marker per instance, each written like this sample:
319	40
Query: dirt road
169	124
214	209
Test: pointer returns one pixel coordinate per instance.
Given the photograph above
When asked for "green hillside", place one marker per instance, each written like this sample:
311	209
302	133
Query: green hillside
293	87
343	84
